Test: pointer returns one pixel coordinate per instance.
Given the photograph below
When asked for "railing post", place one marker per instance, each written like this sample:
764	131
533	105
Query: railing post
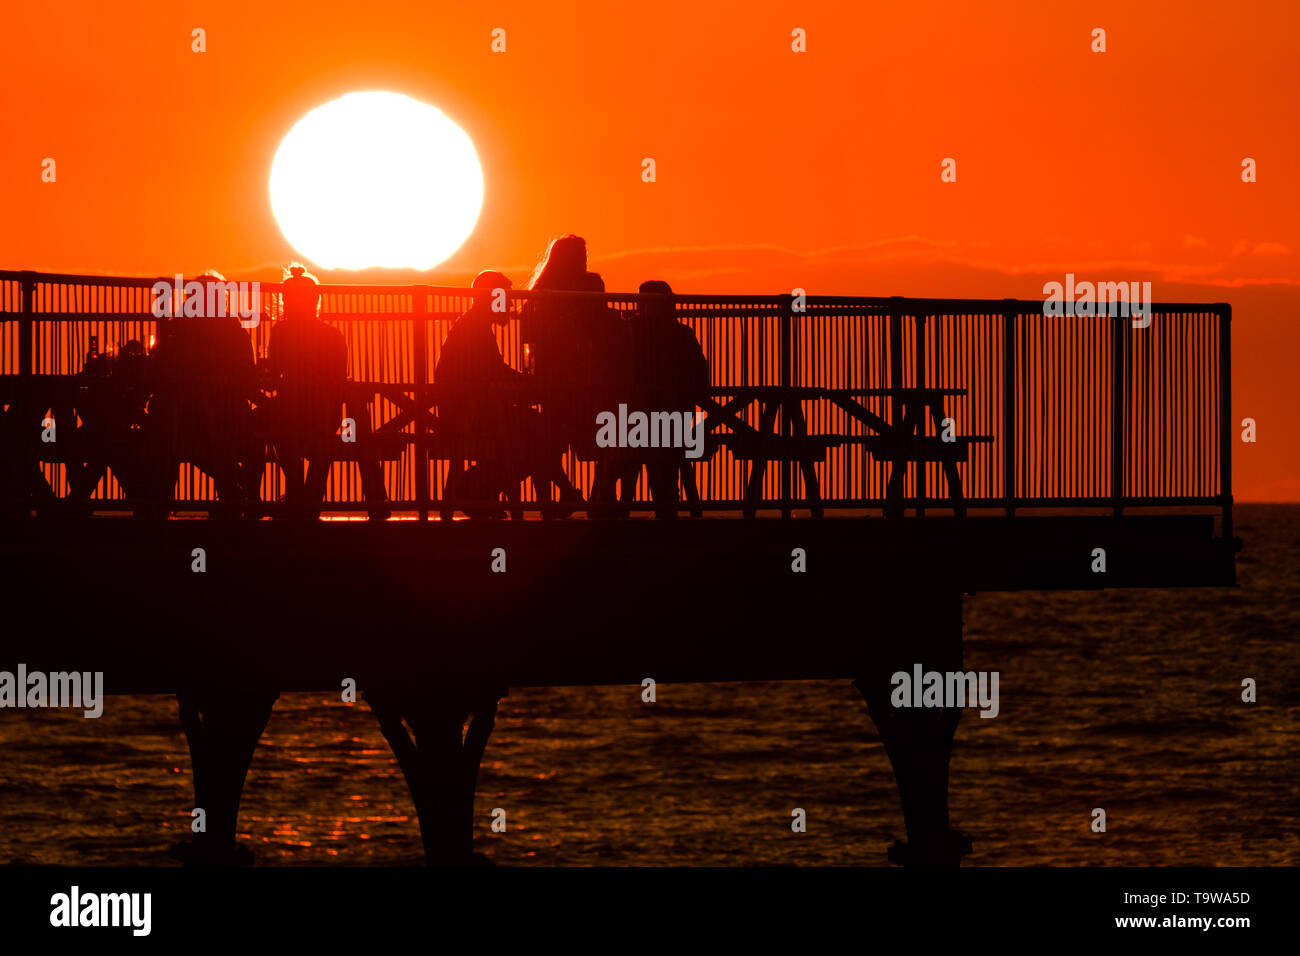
1009	314
896	359
784	415
921	484
421	342
27	325
1118	328
1225	409
896	397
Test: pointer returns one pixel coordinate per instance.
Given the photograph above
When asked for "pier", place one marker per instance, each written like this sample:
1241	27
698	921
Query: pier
867	462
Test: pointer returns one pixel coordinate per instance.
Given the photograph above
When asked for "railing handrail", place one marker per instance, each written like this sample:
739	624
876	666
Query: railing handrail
910	305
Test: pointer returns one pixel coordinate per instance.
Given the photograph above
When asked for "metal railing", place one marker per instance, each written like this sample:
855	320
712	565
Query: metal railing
1074	412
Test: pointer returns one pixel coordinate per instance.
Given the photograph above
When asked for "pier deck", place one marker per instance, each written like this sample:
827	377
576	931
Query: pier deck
301	606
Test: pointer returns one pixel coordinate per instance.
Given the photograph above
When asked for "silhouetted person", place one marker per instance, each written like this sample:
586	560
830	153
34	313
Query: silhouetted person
669	373
112	405
598	360
200	412
22	482
479	405
600	354
307	366
564	265
550	330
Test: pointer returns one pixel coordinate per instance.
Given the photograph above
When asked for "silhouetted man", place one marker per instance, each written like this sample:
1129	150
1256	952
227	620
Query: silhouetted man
22	482
477	401
307	365
669	374
200	411
112	407
597	366
603	352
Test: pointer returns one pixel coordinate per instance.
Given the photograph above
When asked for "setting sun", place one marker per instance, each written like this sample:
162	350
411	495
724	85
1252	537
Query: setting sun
376	179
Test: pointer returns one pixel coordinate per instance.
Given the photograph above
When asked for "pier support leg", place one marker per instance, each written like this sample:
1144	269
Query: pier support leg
919	739
223	727
440	760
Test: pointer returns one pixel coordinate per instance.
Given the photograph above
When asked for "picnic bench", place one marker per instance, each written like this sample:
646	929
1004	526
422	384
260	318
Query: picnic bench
775	433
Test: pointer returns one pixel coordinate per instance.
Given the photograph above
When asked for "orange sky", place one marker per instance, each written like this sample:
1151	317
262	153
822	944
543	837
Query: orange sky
775	169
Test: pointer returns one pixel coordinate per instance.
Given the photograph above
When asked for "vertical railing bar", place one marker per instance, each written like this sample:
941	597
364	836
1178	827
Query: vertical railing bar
26	326
420	322
896	376
918	355
1225	416
784	374
1117	415
1009	407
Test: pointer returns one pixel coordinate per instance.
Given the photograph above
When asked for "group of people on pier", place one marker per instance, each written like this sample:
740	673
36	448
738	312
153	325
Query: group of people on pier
583	359
201	397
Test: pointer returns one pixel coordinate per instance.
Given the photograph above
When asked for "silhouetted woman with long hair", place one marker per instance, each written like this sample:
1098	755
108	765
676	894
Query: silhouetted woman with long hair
549	331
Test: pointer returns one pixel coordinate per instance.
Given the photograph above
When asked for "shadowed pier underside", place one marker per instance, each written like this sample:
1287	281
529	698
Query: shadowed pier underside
433	636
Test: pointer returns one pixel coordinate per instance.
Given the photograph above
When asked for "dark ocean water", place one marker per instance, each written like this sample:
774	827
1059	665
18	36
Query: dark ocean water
1126	700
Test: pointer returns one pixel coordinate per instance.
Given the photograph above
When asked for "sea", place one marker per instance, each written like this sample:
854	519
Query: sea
1129	701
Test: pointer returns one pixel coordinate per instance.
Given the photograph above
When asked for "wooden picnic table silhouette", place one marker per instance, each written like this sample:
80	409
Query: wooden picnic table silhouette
902	444
781	435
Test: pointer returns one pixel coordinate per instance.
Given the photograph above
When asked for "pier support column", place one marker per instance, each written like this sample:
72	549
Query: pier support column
440	760
919	739
223	727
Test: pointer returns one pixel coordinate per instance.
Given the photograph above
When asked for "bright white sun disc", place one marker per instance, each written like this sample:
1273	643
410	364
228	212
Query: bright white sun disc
376	179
